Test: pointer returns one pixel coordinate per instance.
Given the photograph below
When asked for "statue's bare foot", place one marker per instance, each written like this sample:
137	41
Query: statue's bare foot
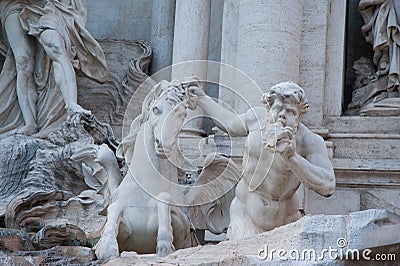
27	130
76	108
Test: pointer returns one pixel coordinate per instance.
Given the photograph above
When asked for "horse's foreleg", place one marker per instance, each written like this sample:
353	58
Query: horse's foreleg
164	234
107	246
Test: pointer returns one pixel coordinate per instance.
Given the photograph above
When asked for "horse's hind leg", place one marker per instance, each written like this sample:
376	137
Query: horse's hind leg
164	234
107	246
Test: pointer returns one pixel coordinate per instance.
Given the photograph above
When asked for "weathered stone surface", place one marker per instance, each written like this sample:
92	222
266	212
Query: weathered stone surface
20	150
50	190
128	64
59	235
119	20
62	255
313	57
13	240
316	232
369	200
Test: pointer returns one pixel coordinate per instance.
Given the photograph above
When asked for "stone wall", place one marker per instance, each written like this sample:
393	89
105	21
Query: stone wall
364	149
120	20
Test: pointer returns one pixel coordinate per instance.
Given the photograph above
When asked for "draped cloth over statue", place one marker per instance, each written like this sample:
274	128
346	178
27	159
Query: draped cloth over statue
382	30
8	7
68	18
69	21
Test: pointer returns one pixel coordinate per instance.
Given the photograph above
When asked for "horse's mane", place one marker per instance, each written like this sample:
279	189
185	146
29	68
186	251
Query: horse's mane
176	92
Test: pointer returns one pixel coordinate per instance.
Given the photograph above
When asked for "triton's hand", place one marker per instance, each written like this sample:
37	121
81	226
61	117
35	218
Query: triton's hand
286	142
280	139
196	91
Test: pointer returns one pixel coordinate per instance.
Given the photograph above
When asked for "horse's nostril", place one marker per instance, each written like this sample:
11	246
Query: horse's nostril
158	142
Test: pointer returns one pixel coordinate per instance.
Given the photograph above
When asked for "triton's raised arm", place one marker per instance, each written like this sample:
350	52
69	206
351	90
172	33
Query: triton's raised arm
232	123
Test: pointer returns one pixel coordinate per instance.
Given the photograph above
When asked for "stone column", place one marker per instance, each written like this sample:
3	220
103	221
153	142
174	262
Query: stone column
229	42
162	34
268	37
192	28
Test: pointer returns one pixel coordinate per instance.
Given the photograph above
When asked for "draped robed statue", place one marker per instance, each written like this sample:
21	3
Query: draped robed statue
43	42
377	87
381	29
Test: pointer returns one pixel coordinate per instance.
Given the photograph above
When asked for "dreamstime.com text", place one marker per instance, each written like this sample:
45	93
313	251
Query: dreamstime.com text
340	252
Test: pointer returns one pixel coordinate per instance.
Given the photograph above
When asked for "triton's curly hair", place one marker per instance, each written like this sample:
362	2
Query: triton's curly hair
287	92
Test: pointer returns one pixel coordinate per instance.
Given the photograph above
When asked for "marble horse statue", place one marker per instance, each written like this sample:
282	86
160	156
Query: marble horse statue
150	212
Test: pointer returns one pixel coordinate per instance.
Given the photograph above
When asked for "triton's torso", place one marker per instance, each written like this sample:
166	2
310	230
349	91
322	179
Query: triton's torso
267	192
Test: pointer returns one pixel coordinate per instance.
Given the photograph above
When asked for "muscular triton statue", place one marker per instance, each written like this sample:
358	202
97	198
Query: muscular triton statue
280	154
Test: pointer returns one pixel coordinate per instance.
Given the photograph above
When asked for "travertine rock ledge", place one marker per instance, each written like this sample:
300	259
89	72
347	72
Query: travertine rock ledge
373	229
376	230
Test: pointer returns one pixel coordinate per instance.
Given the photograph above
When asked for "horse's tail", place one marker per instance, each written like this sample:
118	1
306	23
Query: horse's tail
213	192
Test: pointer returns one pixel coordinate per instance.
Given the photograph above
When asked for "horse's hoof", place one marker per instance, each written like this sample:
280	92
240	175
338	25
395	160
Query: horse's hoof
106	249
164	248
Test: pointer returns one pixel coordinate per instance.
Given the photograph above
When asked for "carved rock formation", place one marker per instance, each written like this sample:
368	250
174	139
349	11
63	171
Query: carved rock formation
359	230
60	255
51	179
370	96
48	202
45	200
128	64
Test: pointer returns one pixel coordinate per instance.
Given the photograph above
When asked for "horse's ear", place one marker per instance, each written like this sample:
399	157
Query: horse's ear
156	90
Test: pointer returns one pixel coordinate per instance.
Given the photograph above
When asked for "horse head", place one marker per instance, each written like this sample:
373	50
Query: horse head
167	113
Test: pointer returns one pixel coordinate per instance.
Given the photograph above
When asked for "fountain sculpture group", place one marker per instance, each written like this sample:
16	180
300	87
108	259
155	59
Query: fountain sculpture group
73	189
